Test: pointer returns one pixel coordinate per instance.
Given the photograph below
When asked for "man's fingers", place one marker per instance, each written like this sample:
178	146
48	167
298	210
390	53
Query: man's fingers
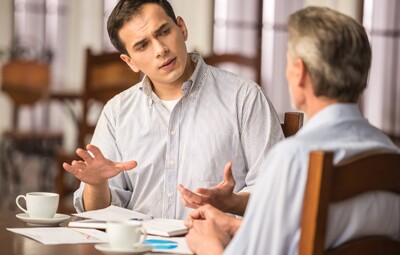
84	155
228	172
67	167
228	178
95	151
185	192
194	198
127	165
195	214
78	164
73	170
189	198
180	187
182	191
188	222
204	192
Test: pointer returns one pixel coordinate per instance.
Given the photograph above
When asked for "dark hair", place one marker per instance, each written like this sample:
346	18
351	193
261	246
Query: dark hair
124	11
335	50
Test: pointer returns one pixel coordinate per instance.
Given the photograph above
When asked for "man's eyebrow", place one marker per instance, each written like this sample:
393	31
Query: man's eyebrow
158	31
162	27
138	43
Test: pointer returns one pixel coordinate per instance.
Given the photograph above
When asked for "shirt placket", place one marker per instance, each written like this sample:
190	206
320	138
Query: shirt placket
171	164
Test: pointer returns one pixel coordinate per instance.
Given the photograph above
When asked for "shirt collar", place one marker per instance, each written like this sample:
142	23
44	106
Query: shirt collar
190	86
334	113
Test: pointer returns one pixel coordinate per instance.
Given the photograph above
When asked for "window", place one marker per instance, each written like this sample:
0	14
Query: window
39	27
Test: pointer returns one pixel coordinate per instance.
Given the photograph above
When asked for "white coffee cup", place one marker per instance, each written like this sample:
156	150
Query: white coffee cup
125	235
39	204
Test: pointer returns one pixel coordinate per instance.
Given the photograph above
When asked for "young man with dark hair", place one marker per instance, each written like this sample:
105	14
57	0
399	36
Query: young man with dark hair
180	125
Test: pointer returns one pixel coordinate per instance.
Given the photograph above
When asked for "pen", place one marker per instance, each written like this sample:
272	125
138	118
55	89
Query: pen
141	219
137	219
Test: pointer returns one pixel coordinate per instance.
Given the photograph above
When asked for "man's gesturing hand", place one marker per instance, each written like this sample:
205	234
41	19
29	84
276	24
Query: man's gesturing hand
94	168
219	196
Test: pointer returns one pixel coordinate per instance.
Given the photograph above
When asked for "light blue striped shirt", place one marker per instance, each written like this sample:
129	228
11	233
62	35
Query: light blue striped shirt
221	117
271	224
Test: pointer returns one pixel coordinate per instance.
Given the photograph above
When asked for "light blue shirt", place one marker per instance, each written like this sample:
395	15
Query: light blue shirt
221	117
271	224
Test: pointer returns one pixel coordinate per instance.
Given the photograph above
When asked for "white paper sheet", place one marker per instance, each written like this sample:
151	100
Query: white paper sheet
62	235
113	213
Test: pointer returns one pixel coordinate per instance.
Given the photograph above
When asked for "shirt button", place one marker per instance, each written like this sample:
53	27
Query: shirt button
170	194
173	132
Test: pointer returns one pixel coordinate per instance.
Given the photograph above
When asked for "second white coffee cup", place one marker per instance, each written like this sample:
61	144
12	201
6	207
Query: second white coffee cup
39	204
125	235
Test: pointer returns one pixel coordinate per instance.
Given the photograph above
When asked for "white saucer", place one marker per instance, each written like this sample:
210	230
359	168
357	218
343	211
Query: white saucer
55	221
106	249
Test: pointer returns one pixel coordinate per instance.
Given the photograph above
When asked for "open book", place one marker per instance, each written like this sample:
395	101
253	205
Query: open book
98	219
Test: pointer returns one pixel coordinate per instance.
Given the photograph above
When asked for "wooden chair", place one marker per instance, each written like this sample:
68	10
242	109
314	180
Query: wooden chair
328	183
27	84
292	123
106	75
226	61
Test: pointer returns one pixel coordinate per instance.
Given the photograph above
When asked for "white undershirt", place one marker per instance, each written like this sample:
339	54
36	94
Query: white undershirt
170	104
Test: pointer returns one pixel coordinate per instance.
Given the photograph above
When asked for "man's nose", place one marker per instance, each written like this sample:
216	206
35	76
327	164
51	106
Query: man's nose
160	48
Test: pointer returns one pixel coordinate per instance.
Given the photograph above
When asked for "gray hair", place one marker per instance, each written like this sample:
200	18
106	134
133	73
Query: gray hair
335	50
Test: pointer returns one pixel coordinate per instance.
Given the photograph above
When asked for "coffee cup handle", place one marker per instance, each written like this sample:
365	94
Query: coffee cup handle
143	235
19	206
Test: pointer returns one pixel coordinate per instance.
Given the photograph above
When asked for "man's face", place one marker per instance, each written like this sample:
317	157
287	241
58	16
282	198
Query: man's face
156	46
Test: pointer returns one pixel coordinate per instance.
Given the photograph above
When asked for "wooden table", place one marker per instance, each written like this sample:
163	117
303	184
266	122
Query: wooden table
15	244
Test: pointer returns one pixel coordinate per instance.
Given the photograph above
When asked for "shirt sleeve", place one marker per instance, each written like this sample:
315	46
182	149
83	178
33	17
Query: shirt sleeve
271	222
104	138
260	130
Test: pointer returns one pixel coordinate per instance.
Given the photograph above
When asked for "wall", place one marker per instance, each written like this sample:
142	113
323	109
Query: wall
199	18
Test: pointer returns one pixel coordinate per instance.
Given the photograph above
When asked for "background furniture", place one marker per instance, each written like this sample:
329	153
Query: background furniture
328	183
27	84
292	122
232	62
106	75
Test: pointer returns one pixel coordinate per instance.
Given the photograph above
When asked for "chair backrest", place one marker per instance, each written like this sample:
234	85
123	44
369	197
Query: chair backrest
236	61
327	183
293	121
106	75
26	82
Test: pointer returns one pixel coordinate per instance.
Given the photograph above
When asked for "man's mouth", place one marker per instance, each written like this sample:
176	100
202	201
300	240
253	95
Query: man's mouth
167	63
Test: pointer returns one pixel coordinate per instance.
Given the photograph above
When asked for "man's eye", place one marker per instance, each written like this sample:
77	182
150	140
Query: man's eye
164	32
141	47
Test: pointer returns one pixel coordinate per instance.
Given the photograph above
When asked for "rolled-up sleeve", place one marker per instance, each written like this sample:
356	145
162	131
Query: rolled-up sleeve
104	139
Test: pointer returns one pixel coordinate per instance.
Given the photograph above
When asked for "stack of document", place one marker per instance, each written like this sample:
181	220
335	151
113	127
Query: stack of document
62	235
98	219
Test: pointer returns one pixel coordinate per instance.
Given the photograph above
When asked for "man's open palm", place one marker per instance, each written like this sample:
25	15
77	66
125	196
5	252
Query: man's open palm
94	168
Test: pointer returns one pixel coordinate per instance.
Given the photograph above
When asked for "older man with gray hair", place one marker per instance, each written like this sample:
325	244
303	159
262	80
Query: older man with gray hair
328	61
